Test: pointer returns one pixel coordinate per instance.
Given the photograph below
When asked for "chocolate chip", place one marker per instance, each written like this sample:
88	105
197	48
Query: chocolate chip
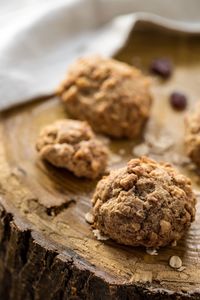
178	101
162	67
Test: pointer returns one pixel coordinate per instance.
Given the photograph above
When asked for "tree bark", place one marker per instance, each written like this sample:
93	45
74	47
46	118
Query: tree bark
31	268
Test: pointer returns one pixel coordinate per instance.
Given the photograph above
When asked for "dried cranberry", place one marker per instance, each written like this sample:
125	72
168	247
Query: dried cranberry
162	67
178	101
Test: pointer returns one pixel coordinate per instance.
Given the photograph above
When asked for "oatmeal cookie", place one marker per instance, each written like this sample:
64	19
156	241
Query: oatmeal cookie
192	135
112	96
72	145
144	204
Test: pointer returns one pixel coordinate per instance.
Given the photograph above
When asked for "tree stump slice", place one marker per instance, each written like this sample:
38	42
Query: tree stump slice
47	250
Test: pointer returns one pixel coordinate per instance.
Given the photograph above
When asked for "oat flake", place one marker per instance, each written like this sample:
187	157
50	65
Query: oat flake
89	218
175	262
152	251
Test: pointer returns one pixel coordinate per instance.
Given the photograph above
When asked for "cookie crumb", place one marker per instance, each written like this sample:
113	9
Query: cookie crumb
181	269
197	193
115	158
99	236
141	149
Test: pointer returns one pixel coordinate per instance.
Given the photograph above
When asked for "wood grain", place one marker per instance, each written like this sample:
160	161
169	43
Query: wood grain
46	245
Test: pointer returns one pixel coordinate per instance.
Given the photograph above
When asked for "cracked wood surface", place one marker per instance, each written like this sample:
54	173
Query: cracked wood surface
46	246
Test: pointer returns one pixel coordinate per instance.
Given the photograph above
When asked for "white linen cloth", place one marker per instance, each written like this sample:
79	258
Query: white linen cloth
39	38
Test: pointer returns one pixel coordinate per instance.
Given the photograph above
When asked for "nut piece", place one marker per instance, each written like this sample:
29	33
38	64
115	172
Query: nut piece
175	262
89	218
72	145
145	203
192	135
112	96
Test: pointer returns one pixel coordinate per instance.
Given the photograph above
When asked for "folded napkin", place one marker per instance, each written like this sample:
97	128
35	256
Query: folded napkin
38	39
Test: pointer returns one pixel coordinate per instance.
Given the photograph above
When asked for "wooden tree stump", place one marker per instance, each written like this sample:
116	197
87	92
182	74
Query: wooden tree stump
47	250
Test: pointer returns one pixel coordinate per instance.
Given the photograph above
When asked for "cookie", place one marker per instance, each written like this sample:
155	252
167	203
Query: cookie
192	135
112	96
145	203
72	145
